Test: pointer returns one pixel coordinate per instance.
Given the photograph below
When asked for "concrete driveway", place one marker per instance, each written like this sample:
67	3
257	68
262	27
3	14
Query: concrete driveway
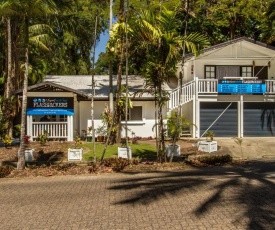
205	198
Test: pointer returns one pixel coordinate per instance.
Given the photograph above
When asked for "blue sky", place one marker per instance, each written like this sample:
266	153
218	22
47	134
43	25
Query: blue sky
104	37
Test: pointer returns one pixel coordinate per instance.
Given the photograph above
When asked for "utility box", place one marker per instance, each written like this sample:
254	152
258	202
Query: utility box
207	146
122	152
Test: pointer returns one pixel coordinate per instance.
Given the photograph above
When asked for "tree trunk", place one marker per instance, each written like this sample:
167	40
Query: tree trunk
21	152
161	142
93	91
117	111
9	69
111	96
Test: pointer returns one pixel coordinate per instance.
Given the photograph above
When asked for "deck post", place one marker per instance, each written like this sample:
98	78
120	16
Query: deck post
240	117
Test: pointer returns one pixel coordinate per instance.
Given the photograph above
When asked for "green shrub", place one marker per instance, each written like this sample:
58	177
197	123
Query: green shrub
5	171
7	140
43	138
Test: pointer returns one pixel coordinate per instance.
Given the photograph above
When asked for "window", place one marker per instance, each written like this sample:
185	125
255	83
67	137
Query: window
246	71
63	118
134	114
210	72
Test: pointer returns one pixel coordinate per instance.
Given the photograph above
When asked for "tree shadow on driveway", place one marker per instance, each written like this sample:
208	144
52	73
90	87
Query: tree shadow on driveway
240	193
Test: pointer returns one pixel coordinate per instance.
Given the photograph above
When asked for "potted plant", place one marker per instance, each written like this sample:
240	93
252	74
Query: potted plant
76	153
101	132
28	151
89	134
209	135
176	123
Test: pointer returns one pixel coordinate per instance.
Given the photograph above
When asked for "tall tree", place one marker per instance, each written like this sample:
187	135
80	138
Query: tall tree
156	37
226	19
116	49
73	37
27	10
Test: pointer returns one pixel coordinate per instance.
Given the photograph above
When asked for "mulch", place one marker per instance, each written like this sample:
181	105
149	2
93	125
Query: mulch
57	152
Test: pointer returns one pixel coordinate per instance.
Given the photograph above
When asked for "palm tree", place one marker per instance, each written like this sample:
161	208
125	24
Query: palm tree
27	10
156	37
116	49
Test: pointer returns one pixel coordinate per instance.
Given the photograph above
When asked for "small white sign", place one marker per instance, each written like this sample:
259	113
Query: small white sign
122	152
75	154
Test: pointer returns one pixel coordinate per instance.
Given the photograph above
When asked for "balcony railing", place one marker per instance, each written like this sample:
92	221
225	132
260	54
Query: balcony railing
201	87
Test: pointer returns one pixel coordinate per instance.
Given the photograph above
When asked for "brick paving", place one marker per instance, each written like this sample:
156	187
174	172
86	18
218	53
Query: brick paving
205	198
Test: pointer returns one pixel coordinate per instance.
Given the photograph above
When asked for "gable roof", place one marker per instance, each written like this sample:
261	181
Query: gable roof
83	84
51	87
234	41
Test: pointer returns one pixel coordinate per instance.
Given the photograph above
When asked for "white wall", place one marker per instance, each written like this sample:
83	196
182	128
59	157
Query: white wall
240	54
140	128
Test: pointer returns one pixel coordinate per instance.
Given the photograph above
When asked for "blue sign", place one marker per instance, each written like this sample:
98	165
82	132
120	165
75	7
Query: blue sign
49	111
50	106
241	87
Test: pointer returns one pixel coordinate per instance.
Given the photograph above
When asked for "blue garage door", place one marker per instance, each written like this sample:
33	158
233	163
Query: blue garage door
227	124
259	119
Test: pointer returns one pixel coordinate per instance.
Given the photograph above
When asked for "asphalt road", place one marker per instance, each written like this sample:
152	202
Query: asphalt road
205	198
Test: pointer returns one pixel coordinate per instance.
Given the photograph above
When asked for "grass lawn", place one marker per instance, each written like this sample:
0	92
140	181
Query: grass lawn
141	151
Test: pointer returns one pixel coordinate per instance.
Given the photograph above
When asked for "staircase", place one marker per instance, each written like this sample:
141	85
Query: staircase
181	96
191	90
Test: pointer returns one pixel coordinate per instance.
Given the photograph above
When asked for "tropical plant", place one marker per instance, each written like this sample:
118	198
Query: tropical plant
7	140
157	39
77	141
43	138
176	123
16	130
101	130
26	10
210	134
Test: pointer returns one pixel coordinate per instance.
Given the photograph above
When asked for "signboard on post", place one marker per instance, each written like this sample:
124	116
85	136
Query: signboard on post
241	86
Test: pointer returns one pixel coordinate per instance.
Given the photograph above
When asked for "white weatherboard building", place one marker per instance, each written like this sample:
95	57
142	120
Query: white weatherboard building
66	101
225	89
232	84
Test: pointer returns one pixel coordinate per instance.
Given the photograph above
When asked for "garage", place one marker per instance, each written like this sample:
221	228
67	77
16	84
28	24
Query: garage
226	125
259	119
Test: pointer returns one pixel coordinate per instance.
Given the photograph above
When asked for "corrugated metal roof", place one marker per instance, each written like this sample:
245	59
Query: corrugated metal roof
83	84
